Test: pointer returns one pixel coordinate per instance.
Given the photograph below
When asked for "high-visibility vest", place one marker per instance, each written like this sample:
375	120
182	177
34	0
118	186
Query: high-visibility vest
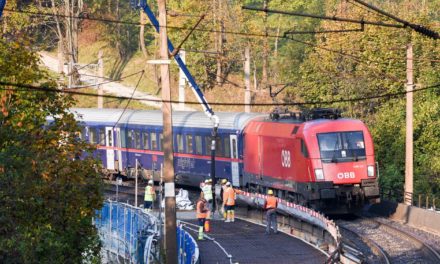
201	210
271	202
207	191
149	193
229	196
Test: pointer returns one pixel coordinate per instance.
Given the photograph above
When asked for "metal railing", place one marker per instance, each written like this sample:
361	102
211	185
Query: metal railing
128	234
426	201
188	250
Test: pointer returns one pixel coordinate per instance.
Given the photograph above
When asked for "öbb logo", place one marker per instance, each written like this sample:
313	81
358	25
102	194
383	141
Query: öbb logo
346	175
285	158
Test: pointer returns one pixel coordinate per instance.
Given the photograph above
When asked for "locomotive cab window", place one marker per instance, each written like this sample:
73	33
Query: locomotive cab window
342	146
304	151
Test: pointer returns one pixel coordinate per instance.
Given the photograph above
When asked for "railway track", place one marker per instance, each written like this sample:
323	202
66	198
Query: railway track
381	242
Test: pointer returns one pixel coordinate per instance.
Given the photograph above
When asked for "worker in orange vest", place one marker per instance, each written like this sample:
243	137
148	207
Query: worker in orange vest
271	205
229	202
202	210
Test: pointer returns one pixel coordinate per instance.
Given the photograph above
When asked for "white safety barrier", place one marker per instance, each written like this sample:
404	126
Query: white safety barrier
292	209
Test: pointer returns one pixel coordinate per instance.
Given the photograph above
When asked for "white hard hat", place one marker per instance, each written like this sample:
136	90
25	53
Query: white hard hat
150	182
228	184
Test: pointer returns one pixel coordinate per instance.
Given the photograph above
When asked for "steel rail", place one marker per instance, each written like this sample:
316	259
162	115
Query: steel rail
375	248
428	250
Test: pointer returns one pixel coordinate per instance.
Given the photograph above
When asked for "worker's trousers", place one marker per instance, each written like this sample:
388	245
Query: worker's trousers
271	221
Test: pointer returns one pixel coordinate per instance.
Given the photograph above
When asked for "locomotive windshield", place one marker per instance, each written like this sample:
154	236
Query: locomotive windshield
341	146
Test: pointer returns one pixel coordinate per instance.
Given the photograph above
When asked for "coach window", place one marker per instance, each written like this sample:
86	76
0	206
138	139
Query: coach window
102	136
199	147
110	137
227	145
93	136
208	145
146	140
189	144
179	139
123	138
218	147
130	139
304	151
160	141
153	141
137	139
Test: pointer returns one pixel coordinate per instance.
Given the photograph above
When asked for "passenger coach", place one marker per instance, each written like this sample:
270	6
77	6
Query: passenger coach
122	137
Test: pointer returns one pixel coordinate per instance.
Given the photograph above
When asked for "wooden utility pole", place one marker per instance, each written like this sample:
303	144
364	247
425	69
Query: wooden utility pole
170	196
409	127
100	79
247	81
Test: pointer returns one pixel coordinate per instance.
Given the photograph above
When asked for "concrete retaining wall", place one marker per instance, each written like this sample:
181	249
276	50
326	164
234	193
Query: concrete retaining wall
410	215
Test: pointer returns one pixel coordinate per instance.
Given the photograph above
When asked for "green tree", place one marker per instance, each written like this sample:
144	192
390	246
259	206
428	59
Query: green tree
48	195
373	62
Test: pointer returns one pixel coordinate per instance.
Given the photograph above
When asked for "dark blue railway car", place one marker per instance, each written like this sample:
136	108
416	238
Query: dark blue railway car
124	137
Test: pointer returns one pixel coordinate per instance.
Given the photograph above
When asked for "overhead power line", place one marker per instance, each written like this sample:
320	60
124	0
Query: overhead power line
334	18
129	100
28	87
418	28
286	37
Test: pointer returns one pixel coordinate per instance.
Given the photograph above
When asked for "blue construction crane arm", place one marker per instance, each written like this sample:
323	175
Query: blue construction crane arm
2	5
196	89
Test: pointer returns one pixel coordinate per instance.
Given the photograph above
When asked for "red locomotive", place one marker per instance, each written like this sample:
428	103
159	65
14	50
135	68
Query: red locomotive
319	160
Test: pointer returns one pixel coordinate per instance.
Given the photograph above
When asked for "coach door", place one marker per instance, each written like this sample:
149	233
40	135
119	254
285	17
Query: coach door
109	143
234	163
117	143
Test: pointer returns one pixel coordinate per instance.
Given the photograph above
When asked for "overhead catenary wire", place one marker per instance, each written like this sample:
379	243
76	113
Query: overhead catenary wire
28	87
110	80
333	18
129	100
348	55
405	24
354	57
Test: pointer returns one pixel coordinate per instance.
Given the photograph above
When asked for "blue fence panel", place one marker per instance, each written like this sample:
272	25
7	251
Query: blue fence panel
188	250
124	230
127	232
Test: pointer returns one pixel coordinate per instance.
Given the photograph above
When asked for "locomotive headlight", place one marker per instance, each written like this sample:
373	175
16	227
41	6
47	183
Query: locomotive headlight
319	174
370	170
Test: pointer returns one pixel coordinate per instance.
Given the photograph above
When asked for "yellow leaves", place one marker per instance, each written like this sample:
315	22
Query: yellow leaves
45	176
34	165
